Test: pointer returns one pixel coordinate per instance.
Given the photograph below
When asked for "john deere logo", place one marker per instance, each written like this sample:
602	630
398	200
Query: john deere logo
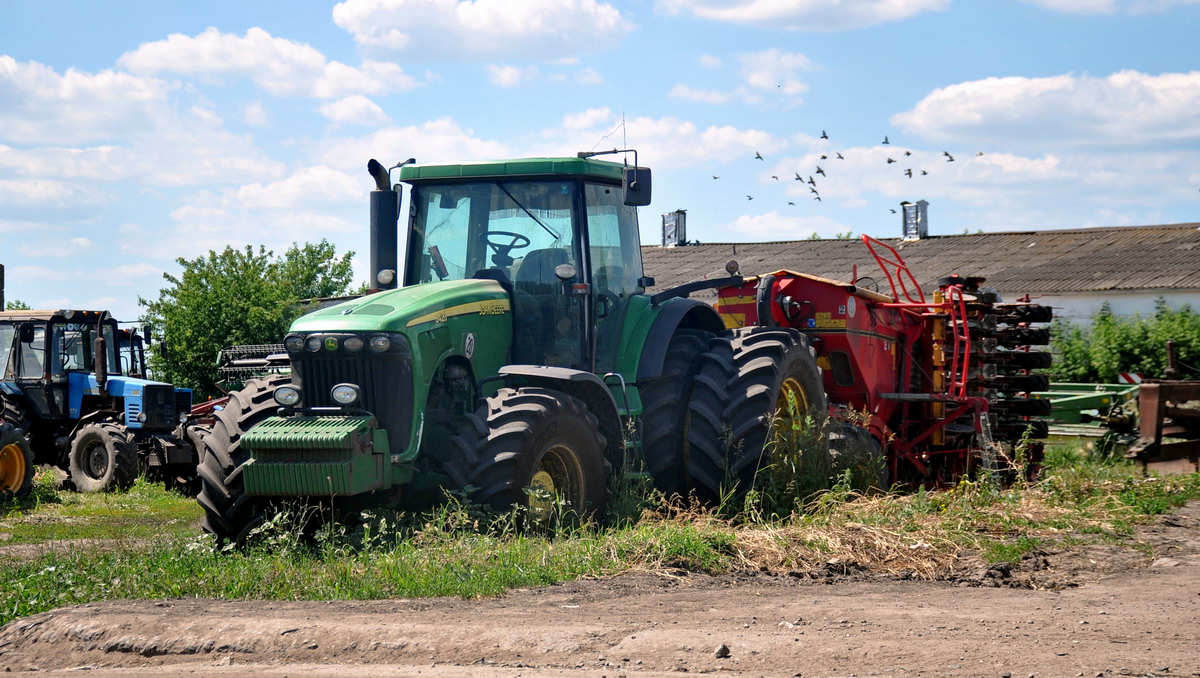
330	343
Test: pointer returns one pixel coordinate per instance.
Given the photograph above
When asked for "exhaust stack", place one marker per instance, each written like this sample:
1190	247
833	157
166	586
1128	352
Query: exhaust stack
385	216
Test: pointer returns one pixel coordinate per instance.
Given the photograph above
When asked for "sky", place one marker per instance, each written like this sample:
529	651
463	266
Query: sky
136	133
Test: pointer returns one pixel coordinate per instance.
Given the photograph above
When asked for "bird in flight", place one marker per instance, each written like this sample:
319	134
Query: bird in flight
817	198
749	197
813	190
890	161
715	177
893	211
820	171
908	153
791	203
758	155
949	158
923	172
839	156
798	177
979	153
810	181
908	173
824	157
885	140
824	135
775	177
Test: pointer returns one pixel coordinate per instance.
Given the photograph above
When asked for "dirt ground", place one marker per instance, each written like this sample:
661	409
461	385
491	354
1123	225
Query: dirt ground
1086	611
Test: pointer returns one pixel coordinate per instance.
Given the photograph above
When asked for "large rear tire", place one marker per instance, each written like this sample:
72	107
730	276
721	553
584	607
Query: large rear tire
681	418
103	457
777	397
16	462
229	513
524	447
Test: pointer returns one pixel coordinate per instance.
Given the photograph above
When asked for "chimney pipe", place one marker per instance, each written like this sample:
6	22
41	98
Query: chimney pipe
385	215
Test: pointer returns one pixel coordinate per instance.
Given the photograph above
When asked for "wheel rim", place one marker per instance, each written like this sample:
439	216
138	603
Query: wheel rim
791	407
557	476
12	467
95	460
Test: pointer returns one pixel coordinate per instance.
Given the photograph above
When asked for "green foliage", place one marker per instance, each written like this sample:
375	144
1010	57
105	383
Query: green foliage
17	305
1114	344
237	297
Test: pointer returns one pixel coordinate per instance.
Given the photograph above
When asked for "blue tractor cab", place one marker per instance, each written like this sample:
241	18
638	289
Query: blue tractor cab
76	385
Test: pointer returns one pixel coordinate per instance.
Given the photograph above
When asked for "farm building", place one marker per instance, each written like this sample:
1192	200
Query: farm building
1075	271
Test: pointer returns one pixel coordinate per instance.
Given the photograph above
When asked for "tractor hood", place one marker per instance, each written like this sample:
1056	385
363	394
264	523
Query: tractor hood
409	307
160	402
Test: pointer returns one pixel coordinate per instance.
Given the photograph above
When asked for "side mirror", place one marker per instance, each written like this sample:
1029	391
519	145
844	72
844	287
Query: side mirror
146	330
26	333
637	186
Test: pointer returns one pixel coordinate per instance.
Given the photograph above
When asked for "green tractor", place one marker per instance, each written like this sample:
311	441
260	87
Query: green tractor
520	361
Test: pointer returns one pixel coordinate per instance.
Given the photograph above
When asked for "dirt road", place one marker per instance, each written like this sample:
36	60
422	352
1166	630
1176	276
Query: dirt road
1107	611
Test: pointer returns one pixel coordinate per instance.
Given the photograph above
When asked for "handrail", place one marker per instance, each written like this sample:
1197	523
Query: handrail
896	262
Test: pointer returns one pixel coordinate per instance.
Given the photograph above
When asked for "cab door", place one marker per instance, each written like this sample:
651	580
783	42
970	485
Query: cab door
615	260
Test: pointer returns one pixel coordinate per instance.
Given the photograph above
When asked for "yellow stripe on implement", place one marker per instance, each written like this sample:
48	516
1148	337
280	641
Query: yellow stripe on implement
486	307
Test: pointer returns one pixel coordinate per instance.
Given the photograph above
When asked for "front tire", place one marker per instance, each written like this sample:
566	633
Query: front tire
527	446
229	513
16	462
776	397
103	457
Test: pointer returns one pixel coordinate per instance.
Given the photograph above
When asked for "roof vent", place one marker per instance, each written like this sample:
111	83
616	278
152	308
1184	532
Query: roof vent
915	220
674	228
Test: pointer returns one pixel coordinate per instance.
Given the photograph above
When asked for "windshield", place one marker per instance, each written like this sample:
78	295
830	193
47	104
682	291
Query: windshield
73	347
8	335
462	229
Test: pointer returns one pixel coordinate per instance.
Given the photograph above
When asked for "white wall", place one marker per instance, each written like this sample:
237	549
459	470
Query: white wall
1080	307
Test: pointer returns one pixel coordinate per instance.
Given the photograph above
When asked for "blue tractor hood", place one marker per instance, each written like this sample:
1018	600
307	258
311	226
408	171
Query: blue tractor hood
135	395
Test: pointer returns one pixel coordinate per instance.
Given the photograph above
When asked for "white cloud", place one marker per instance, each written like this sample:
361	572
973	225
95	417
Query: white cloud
317	186
1108	6
1124	108
775	226
436	140
44	200
508	76
112	126
57	247
588	119
282	67
357	110
455	29
808	15
39	106
768	74
775	69
256	114
664	143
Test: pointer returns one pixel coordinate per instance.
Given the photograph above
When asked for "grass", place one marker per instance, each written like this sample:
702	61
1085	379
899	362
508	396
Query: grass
456	551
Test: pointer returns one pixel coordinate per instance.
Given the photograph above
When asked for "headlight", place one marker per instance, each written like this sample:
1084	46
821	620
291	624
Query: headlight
294	343
183	417
353	344
141	417
344	394
287	396
313	344
380	343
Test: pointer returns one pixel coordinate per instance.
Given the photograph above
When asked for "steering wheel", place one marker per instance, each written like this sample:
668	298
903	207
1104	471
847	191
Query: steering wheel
501	249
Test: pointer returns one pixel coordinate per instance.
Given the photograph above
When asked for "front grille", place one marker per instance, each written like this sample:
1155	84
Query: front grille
158	404
183	400
386	381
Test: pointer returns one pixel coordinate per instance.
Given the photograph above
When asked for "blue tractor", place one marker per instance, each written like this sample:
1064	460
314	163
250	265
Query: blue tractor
75	385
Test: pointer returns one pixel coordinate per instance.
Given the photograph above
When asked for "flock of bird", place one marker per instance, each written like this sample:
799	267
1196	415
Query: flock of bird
811	181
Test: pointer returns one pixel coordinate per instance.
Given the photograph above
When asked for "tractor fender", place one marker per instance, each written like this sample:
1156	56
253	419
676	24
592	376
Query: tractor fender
764	298
589	388
676	313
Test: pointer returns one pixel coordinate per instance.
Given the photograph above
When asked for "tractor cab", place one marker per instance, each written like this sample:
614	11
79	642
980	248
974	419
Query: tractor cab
39	350
559	235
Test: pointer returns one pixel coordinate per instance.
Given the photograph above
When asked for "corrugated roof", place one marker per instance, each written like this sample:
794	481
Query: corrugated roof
1077	260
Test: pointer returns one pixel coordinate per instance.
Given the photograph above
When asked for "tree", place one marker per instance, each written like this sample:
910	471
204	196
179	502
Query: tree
1113	344
17	305
236	297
